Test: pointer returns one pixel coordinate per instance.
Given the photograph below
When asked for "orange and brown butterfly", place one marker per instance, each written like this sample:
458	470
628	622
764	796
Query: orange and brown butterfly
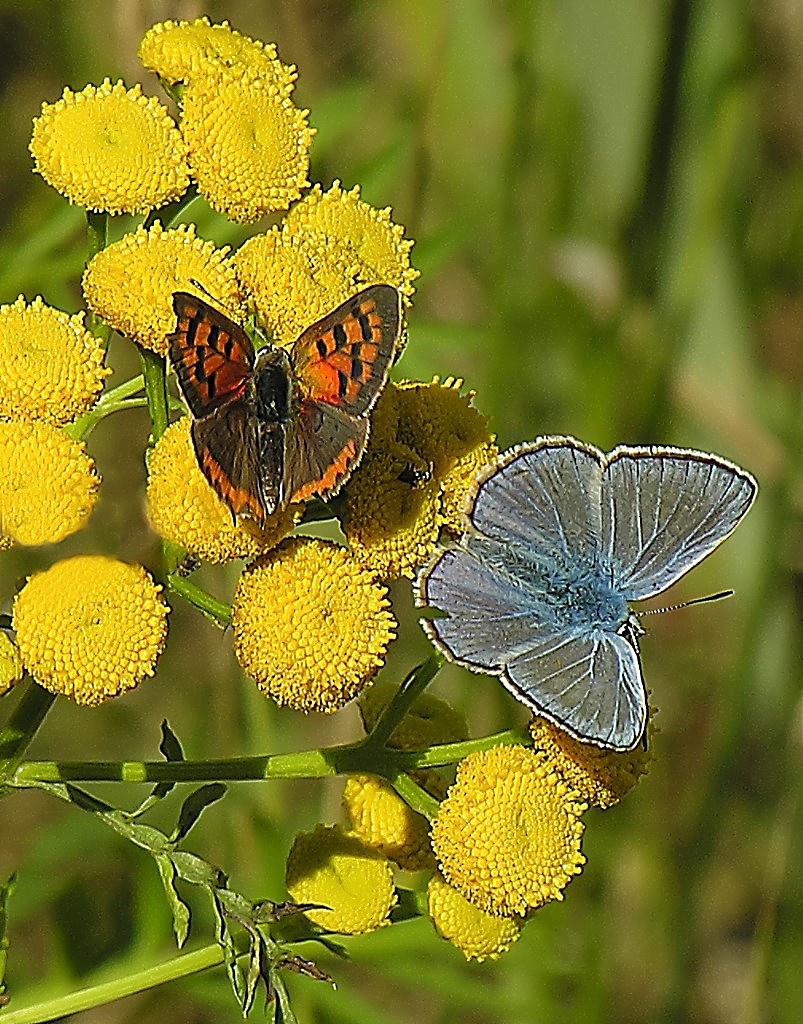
286	424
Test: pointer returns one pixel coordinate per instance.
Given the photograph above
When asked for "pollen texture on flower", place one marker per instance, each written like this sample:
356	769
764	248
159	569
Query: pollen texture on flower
10	663
180	50
311	626
184	509
90	627
110	149
601	777
427	442
508	834
477	934
248	143
130	283
339	871
48	484
52	366
380	817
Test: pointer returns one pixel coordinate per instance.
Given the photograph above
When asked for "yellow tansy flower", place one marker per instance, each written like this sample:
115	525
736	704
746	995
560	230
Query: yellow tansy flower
90	627
111	149
179	50
52	366
426	443
290	284
48	483
601	777
10	663
508	834
339	871
184	509
477	934
130	283
248	143
341	221
380	817
311	626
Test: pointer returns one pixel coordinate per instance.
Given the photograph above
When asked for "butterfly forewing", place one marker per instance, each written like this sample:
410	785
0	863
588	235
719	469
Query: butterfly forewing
344	358
545	496
211	354
664	510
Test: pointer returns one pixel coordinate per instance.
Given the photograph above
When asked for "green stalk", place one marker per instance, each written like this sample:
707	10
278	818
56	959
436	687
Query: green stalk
22	727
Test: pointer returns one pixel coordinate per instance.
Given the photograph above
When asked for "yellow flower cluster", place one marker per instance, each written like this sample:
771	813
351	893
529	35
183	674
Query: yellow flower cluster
426	446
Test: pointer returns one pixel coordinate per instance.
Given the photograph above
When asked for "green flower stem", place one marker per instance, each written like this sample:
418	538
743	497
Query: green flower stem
118	398
153	368
98	995
170	214
218	611
21	727
97	233
305	764
414	796
413	685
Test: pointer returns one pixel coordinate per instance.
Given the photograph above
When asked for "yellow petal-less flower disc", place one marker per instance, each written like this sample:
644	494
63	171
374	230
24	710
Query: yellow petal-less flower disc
10	663
52	366
311	626
508	834
340	220
391	521
110	149
339	871
48	484
459	482
184	509
179	50
130	283
248	143
380	817
601	777
90	627
291	285
475	933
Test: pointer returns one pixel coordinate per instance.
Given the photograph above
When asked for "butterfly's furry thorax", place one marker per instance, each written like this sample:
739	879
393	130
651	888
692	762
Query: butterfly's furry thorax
271	387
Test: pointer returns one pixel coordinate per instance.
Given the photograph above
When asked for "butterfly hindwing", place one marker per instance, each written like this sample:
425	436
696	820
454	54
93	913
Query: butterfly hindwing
344	358
324	444
211	354
226	448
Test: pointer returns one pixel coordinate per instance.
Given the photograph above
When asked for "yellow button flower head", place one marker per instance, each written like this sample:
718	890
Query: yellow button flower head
52	366
380	817
90	627
110	149
475	933
248	143
48	483
311	626
10	663
184	509
508	834
331	245
601	777
180	50
342	221
337	870
289	285
130	283
427	442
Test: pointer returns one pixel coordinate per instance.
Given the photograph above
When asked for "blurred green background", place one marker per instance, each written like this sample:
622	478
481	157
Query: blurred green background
607	202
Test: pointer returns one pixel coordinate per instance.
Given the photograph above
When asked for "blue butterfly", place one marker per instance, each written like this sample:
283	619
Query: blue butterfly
559	539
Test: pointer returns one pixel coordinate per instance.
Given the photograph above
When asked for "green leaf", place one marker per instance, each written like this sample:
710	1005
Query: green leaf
6	890
179	909
194	805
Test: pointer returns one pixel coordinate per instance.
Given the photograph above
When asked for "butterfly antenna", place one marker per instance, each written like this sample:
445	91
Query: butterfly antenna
686	604
200	287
